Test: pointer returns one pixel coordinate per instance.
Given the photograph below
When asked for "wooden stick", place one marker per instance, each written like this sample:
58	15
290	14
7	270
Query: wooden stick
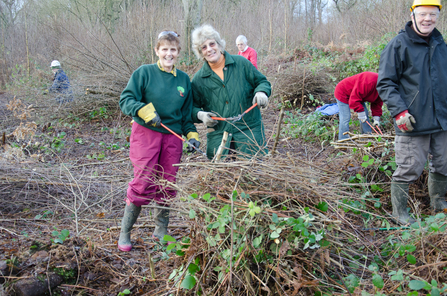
278	130
221	147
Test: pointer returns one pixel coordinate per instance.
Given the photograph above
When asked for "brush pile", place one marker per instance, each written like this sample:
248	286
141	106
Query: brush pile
299	84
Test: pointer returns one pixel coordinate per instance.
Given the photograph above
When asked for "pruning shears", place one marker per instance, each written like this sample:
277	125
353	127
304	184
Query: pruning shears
235	118
187	142
374	128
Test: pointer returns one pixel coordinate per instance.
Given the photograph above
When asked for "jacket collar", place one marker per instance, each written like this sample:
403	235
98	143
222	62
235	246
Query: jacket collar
435	34
206	69
173	71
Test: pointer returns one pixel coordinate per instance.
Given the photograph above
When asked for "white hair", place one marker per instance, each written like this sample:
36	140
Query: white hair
203	33
241	38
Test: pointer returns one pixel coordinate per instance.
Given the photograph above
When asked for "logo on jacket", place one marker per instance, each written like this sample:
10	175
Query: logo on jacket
181	90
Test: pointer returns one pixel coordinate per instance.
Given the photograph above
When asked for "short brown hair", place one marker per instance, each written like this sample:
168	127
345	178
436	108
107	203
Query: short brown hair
169	37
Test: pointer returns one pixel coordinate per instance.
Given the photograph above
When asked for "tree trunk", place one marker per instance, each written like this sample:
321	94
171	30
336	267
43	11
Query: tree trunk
192	10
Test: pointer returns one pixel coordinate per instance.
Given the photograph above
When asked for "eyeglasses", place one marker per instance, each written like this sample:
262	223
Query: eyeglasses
423	15
167	33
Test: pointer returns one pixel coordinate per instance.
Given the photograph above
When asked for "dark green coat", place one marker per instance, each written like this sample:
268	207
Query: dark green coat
229	98
171	96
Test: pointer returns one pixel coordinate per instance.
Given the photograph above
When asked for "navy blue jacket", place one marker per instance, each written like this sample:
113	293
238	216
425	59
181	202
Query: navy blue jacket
413	77
61	84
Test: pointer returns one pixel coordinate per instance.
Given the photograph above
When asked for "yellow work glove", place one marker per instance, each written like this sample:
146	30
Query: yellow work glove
193	139
149	115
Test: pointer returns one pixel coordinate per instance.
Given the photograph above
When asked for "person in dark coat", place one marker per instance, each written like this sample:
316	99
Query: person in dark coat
226	86
413	84
61	84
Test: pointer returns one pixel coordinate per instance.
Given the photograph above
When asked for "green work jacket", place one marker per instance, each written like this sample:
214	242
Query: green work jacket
229	98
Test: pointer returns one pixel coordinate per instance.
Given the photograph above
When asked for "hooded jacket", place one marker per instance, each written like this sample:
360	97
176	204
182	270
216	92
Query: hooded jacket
229	98
413	77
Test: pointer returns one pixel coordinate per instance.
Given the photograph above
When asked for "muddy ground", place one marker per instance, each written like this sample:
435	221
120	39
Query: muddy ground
62	201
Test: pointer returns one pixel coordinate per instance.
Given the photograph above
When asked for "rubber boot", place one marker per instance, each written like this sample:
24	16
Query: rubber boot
161	223
399	195
131	213
437	187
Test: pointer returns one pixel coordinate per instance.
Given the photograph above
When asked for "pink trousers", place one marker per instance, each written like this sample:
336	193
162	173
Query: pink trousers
153	155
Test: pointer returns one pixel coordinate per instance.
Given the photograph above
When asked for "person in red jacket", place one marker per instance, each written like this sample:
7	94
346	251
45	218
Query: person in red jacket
352	93
246	51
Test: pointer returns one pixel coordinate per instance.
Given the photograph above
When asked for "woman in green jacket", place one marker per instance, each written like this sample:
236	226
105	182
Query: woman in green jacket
155	94
226	86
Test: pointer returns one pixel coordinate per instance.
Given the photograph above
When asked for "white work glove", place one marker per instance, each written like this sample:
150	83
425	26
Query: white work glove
404	121
205	117
261	98
376	120
362	116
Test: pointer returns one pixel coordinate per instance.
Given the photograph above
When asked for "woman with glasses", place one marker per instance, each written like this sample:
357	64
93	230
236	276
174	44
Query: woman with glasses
155	94
226	86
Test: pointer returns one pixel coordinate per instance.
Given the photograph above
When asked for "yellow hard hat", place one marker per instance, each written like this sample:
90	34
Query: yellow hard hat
426	3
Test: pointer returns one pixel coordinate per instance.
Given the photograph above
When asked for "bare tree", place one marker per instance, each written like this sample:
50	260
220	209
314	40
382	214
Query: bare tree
192	16
344	5
9	10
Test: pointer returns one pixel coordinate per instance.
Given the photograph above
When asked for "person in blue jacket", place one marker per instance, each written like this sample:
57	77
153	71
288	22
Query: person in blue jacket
61	84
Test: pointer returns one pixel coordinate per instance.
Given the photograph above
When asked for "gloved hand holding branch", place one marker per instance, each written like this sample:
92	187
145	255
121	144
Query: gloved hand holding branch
261	98
362	116
205	117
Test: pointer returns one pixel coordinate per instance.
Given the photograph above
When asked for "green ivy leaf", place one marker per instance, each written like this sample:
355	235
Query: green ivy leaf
257	241
411	259
416	285
188	282
193	268
323	206
378	281
192	214
274	234
173	274
58	241
399	276
168	238
352	282
170	247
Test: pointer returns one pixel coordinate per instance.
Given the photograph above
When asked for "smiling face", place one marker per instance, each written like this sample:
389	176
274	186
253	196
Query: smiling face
167	52
425	18
240	45
210	51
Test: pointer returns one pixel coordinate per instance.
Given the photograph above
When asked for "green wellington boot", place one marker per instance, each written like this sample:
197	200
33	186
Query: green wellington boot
399	195
131	213
437	187
161	217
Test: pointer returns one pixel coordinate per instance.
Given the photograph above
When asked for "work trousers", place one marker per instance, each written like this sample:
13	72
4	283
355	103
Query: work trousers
153	155
412	154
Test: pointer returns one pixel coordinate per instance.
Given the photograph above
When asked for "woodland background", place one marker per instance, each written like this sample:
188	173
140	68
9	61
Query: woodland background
114	37
311	218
